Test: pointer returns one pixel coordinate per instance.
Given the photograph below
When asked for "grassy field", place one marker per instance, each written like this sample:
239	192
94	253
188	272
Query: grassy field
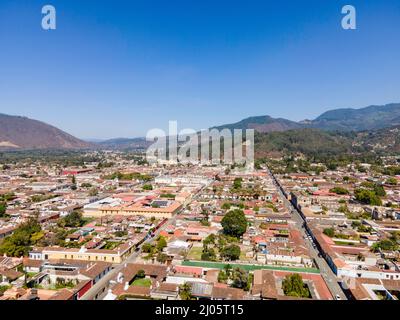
142	282
195	253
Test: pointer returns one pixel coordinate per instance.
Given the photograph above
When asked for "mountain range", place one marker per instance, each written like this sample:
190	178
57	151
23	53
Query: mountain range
21	133
124	143
320	144
263	124
369	118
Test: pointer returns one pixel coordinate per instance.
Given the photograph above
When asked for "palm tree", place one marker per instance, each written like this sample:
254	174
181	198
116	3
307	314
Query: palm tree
185	292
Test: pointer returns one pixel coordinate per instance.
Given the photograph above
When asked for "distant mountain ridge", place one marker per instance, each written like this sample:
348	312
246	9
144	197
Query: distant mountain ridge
21	133
368	118
263	124
125	143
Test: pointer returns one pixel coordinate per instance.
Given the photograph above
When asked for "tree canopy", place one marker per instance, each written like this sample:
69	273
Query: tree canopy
294	286
231	252
3	208
161	243
392	181
240	279
385	245
234	223
73	220
19	243
185	292
330	232
147	187
367	197
339	190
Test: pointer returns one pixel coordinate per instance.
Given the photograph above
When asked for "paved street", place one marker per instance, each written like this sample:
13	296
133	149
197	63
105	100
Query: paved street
326	271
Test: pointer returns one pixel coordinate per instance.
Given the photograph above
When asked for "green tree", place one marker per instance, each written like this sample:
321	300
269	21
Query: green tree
148	248
294	286
210	239
226	206
234	223
395	236
73	220
185	292
4	288
379	190
231	252
240	279
205	222
222	276
385	245
20	242
391	181
141	274
228	269
208	254
332	165
339	190
162	257
167	195
392	170
86	185
7	196
367	197
237	183
121	233
147	187
344	208
3	208
222	241
330	232
161	243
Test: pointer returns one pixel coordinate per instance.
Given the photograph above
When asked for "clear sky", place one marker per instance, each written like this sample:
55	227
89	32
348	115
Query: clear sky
119	68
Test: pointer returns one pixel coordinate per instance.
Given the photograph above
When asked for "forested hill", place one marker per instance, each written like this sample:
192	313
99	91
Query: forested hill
319	143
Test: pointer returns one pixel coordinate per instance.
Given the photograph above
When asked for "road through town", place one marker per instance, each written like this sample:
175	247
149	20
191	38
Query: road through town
326	271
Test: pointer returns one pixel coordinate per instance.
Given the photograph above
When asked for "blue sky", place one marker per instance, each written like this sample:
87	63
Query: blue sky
119	68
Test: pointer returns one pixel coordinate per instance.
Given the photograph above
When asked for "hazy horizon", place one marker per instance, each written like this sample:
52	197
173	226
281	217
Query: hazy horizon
97	139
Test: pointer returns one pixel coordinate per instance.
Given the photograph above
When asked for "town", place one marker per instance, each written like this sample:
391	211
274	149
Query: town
107	225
